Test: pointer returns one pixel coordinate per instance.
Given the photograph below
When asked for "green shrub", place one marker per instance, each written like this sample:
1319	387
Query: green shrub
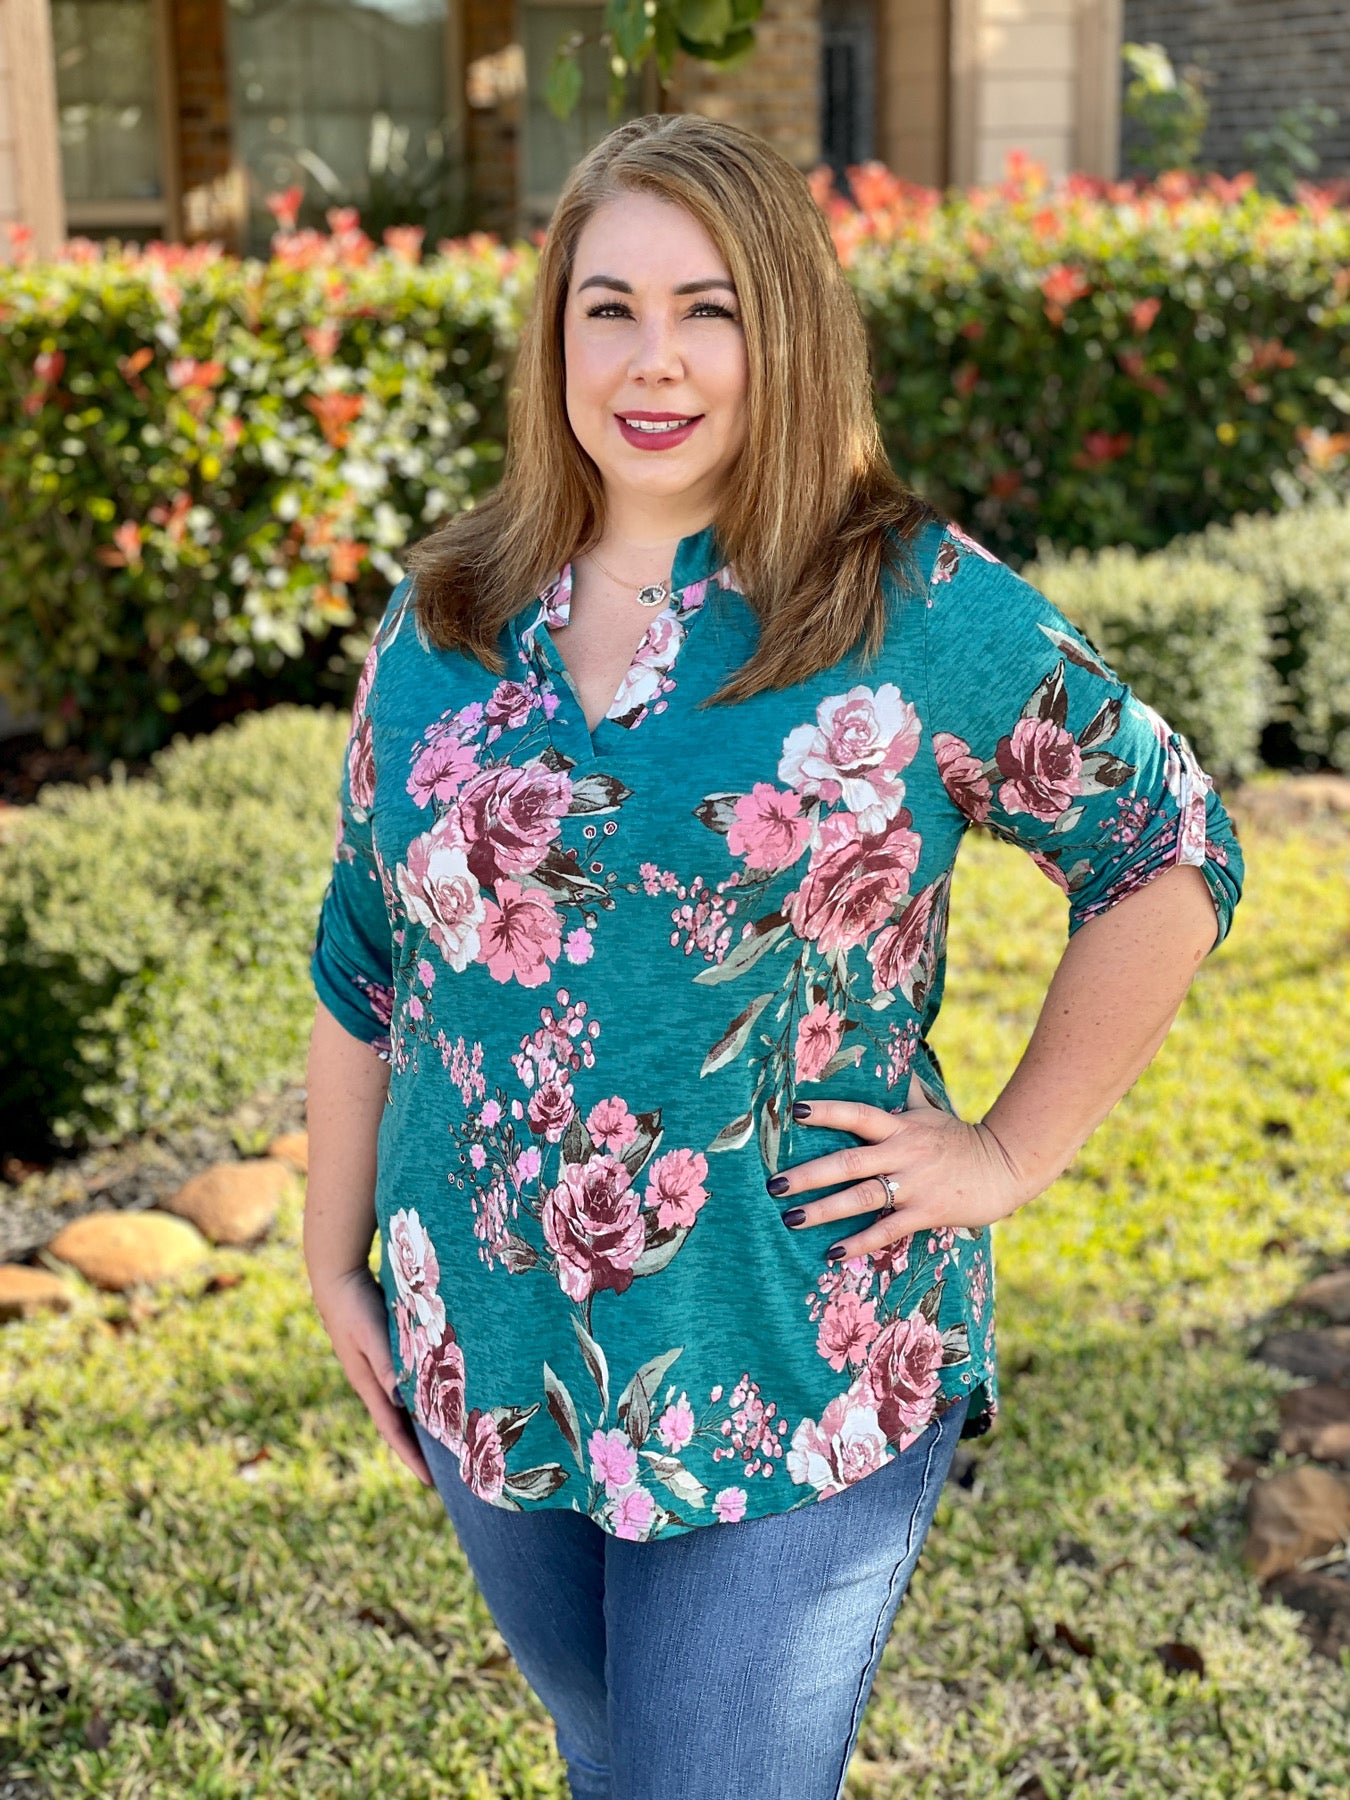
154	934
1188	635
1302	559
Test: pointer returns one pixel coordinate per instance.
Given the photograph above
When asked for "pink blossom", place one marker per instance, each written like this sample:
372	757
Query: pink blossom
853	880
846	1445
1041	765
440	893
675	1187
550	1109
520	935
511	816
613	1459
854	752
577	945
611	1125
895	951
441	769
768	829
489	1113
417	1272
526	1166
412	1338
592	1222
818	1037
962	775
482	1460
477	1155
847	1327
904	1364
426	973
440	1391
361	767
633	1514
729	1505
510	705
415	1007
675	1427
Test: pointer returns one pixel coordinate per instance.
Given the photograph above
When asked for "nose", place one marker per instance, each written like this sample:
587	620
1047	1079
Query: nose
656	354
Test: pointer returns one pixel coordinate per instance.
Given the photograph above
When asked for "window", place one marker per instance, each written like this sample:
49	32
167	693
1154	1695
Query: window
848	54
553	145
108	117
349	100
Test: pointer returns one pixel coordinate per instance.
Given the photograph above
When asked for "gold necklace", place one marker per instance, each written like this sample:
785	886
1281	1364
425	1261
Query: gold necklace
655	593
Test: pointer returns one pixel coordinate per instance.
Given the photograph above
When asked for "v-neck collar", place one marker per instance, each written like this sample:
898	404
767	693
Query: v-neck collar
698	567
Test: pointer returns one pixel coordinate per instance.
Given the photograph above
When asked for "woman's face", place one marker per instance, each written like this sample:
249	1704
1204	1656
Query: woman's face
652	337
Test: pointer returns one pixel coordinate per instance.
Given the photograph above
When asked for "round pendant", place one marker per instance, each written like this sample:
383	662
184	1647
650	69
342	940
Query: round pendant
655	595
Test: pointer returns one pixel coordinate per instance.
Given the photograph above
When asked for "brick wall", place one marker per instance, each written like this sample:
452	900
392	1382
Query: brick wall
213	200
776	93
1265	55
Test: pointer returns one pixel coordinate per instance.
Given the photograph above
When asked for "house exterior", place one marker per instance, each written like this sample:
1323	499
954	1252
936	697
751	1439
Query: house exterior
175	118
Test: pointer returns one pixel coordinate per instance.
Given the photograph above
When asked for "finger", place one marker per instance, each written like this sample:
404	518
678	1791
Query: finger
870	1122
864	1196
902	1223
392	1422
854	1163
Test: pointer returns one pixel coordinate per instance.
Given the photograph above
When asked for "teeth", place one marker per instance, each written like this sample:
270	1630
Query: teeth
654	425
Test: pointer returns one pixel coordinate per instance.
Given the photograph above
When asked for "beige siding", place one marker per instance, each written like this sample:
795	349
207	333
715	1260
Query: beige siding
912	89
30	159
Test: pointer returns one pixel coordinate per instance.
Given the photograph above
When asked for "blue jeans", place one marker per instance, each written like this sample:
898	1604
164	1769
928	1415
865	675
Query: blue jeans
731	1662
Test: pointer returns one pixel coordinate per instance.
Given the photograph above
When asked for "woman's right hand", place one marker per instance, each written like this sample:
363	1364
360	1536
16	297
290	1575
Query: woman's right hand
356	1318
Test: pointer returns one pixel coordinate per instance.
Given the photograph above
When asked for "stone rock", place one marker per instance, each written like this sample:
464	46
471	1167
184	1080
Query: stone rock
24	1292
1315	1421
1325	1599
292	1147
1295	1514
1316	1355
1329	1294
232	1202
118	1249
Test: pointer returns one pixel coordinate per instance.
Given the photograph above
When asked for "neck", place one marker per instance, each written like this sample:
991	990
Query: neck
643	538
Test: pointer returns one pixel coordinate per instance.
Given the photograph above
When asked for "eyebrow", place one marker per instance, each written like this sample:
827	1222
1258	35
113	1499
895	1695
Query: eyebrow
686	287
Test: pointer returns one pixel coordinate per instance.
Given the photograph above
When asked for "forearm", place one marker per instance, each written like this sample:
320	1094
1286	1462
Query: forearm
1115	993
347	1088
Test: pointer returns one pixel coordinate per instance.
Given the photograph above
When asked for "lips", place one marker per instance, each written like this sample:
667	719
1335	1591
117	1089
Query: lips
656	431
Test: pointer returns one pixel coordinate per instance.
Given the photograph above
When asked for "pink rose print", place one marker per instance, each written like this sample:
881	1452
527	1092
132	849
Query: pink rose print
847	1444
510	817
613	1460
963	776
903	1369
853	880
441	769
550	1109
510	705
413	1341
440	893
364	685
633	1514
440	1392
577	945
729	1505
593	1223
768	829
818	1037
847	1327
651	661
675	1427
520	935
854	752
611	1125
895	951
361	767
482	1461
417	1273
1041	765
675	1187
1048	866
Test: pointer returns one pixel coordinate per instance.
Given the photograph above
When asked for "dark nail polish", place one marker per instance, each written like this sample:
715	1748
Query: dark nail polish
794	1215
777	1184
834	1251
801	1109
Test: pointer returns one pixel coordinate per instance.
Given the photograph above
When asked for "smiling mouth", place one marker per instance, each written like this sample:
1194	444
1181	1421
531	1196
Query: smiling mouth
656	426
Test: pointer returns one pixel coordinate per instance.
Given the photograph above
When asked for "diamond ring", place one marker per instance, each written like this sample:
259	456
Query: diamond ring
892	1192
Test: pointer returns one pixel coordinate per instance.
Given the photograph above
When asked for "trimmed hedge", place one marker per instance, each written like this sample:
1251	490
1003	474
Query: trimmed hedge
208	468
155	934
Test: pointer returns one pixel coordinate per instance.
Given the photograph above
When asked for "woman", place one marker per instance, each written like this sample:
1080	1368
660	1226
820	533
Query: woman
658	768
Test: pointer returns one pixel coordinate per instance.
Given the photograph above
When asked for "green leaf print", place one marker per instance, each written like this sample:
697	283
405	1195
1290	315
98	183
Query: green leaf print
562	1410
595	1361
672	1472
734	1039
746	954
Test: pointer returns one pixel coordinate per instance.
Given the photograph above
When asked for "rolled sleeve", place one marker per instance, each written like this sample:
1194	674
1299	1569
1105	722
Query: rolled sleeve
1038	740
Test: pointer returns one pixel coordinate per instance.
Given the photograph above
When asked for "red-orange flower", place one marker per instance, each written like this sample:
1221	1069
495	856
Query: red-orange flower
335	413
1062	284
1100	448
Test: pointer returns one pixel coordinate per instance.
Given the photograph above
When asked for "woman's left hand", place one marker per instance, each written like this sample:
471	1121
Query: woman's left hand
945	1172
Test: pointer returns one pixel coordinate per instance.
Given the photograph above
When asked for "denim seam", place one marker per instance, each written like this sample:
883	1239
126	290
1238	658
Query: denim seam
859	1698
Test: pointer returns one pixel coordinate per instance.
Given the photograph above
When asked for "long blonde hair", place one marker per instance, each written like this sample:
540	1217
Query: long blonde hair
812	510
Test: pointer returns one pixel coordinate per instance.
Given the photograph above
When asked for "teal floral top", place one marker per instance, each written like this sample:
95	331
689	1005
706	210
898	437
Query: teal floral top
602	965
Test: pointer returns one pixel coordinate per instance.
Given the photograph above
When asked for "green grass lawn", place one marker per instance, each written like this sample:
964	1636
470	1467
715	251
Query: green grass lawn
174	1626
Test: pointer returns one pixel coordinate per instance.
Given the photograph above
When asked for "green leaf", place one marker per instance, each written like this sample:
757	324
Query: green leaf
703	21
672	1472
742	956
595	1360
736	1135
563	1412
562	88
736	1036
651	1372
